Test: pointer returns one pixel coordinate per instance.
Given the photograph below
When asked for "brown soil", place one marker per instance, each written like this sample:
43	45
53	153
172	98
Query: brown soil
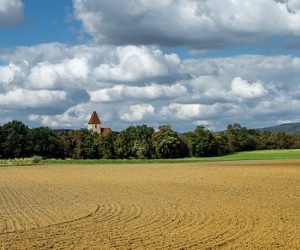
242	205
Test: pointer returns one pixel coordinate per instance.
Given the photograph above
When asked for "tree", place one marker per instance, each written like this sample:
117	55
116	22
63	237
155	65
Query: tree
105	145
1	142
222	143
274	140
167	144
239	138
65	145
296	142
134	142
264	141
76	142
202	142
43	142
14	140
90	146
284	141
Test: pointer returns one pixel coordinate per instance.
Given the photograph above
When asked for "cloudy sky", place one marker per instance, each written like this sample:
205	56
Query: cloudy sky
178	62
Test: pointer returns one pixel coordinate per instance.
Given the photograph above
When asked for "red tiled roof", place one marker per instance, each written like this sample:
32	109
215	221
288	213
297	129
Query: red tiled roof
105	131
94	119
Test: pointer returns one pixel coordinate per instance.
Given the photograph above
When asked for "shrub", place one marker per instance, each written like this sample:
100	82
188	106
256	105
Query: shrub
36	159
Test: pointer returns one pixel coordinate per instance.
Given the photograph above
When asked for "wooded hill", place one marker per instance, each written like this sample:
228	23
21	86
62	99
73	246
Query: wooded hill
289	128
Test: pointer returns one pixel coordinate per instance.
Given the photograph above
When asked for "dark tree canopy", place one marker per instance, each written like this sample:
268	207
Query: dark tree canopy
14	139
202	142
135	142
167	144
43	142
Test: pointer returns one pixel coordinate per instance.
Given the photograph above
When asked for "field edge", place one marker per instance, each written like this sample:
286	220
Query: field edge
248	155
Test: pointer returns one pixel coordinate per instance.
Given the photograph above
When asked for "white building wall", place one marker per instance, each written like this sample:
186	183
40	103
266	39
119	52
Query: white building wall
95	128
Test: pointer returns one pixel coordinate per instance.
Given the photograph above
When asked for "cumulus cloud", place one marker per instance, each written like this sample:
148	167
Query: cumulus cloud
55	84
276	74
11	12
77	116
137	112
72	117
125	75
56	65
22	98
134	63
241	89
202	24
123	92
293	5
191	111
8	73
45	74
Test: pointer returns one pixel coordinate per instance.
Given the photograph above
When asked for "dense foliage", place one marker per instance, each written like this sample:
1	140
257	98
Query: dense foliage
135	142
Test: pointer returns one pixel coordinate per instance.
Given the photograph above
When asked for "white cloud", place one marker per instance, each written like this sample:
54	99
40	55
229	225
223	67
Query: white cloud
22	98
59	85
212	78
191	111
293	5
132	63
11	12
8	73
46	75
241	89
123	92
58	82
202	24
74	116
137	112
56	65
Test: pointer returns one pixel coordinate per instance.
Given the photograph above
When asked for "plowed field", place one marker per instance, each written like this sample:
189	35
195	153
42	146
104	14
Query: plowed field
242	205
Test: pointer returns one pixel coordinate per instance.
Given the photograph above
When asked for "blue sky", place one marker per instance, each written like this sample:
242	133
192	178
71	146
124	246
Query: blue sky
43	22
53	21
184	62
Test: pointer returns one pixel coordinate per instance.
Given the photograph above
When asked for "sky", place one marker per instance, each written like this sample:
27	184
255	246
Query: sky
179	62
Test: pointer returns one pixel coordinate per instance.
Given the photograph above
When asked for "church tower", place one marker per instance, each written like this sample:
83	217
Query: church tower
94	123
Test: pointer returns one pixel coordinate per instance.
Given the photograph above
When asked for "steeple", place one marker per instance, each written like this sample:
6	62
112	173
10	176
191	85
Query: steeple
94	118
94	123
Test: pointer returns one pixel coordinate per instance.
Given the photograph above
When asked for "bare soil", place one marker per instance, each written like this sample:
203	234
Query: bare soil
228	205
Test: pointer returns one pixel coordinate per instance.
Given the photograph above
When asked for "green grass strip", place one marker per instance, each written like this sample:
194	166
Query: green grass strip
251	155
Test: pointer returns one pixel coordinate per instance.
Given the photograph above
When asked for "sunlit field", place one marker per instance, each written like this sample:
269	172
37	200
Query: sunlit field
244	205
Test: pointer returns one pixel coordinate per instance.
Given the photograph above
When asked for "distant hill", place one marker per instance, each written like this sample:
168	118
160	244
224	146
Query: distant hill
289	128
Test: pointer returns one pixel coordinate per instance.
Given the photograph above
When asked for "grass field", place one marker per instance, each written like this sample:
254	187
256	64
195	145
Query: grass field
217	205
251	155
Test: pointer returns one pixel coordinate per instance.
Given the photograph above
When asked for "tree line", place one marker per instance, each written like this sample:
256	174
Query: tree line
136	142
